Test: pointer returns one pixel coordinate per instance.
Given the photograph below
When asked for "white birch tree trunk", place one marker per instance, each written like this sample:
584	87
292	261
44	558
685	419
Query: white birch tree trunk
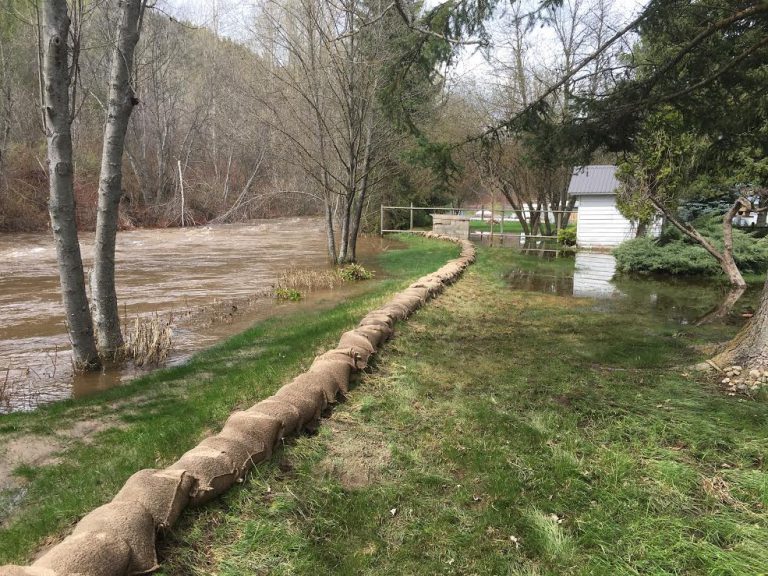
61	204
121	102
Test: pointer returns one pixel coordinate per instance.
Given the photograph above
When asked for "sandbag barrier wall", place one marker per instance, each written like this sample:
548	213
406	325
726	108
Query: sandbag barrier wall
118	538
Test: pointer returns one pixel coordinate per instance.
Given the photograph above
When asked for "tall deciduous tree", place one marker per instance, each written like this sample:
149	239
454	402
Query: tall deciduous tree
122	100
57	66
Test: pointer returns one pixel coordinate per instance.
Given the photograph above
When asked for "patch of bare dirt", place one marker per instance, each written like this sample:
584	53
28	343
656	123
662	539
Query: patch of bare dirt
29	450
35	450
356	456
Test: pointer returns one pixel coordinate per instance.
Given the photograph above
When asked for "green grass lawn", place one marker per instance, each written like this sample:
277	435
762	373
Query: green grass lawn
503	433
152	421
509	226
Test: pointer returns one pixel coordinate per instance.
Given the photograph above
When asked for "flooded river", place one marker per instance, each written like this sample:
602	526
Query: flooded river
207	279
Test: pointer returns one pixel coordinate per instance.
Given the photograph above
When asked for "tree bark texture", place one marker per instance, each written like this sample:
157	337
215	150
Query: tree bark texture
750	346
357	211
61	204
122	99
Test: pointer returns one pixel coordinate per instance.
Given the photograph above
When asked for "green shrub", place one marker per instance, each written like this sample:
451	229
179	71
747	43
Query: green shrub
566	236
288	294
676	254
354	272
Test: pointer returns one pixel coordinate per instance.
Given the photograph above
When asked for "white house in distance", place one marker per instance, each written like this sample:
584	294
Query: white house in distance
600	224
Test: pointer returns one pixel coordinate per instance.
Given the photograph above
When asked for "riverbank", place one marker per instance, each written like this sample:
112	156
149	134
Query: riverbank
208	283
80	452
510	432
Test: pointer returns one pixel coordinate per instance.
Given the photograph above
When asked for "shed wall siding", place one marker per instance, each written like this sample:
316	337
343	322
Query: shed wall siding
600	222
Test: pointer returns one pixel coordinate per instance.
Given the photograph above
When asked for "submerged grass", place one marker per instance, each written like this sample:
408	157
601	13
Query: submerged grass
507	433
153	420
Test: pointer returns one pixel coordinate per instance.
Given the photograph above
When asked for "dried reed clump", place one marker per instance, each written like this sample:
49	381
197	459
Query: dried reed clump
149	342
302	279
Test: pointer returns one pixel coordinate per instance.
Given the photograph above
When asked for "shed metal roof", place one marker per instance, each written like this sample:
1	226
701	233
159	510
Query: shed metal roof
596	179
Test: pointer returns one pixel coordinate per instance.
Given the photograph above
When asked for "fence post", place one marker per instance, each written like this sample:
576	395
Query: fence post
492	219
501	224
411	228
381	223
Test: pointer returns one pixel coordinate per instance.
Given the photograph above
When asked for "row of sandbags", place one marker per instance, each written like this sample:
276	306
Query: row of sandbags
119	538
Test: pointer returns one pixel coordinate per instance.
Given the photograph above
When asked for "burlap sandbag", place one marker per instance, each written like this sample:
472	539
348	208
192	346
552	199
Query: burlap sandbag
422	293
347	355
121	521
237	452
397	310
335	368
165	493
376	335
356	341
9	570
377	319
259	432
310	404
410	302
325	382
91	553
213	471
287	413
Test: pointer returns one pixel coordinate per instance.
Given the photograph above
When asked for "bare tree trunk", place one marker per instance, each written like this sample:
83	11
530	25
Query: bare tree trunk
519	212
331	240
725	258
121	102
357	214
345	227
749	348
6	107
61	204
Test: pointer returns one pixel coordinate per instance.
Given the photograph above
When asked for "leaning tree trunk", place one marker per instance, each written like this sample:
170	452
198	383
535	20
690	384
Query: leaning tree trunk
724	257
121	102
749	349
61	204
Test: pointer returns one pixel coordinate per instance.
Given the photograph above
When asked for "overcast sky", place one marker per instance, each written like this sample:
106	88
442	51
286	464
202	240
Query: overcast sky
235	16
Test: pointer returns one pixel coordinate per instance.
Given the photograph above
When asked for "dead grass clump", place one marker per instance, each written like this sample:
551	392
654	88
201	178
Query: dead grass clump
305	280
149	341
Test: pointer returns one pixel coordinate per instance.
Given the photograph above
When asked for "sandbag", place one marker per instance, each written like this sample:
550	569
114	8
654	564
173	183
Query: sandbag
346	355
356	341
376	335
213	471
310	403
287	413
260	433
164	493
126	521
237	452
376	318
318	380
334	368
91	553
10	570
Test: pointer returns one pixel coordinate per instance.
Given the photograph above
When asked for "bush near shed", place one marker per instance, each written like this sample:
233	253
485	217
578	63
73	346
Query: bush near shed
673	253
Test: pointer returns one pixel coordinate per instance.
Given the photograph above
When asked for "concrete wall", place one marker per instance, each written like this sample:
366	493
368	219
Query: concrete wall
451	225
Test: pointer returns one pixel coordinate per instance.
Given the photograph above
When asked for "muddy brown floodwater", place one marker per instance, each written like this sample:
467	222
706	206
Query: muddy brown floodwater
208	279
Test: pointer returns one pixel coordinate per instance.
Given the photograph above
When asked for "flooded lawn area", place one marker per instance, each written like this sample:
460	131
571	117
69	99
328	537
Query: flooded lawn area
210	282
674	300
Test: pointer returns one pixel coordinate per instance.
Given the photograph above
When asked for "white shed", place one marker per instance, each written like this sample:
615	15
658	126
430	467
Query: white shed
600	224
